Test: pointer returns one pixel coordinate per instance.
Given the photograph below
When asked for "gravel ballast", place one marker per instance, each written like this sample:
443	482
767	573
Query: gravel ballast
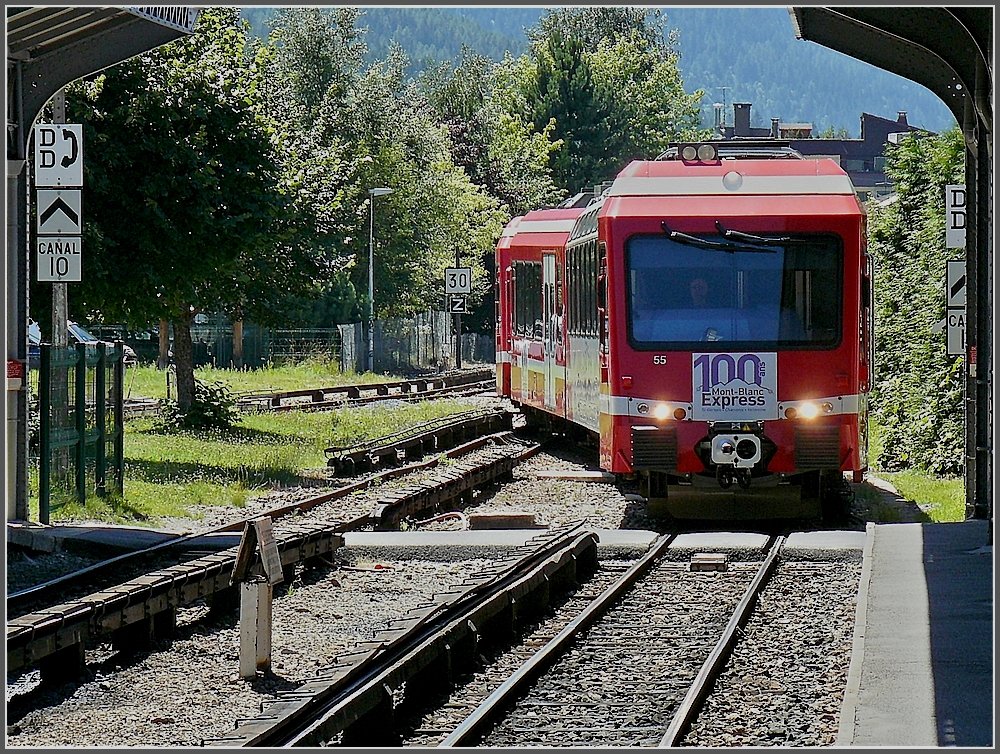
188	690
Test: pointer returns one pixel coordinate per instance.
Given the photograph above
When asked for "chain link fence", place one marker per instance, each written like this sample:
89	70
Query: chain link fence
421	343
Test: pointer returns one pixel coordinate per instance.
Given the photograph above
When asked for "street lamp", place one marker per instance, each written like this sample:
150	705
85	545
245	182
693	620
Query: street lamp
371	276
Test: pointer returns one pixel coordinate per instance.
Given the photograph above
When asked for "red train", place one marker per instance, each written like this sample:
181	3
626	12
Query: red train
707	319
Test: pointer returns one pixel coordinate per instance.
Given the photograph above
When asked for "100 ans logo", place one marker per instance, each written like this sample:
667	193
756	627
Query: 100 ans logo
720	369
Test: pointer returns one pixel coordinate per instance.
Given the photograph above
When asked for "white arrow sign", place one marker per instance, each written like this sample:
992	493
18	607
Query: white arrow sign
956	283
59	212
58	154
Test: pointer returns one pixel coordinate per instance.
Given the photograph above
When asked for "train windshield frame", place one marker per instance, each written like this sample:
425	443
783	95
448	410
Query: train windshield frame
683	296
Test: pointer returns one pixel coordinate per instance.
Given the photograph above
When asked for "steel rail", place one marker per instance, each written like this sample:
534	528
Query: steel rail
475	724
449	380
313	716
420	431
35	635
18	603
325	405
716	660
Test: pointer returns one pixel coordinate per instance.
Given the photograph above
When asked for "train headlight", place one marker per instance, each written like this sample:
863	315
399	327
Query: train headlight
827	407
808	410
661	412
642	408
689	152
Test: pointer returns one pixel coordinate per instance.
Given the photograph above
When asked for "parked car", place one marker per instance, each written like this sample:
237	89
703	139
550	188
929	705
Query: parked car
77	334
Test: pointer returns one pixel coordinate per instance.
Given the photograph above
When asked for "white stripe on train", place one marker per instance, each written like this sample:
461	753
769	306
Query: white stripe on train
745	184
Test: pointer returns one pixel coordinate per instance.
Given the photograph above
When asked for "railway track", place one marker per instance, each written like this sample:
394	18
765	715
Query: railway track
626	660
344	396
416	441
134	597
353	700
424	388
633	668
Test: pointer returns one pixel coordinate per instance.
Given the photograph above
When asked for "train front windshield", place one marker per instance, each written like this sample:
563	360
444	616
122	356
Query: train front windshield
761	297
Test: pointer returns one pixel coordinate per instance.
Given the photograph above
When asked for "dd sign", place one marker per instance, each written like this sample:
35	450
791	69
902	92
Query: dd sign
59	154
954	215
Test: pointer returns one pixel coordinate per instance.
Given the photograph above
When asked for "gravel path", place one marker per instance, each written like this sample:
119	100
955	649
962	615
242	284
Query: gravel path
191	689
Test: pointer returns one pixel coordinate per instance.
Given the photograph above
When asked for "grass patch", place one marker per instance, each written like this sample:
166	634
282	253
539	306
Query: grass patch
147	381
170	473
875	507
942	499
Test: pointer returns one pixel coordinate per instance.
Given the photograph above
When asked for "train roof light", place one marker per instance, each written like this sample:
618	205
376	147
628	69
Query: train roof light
698	152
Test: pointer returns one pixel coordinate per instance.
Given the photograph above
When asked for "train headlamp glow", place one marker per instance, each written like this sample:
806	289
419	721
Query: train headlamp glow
661	411
808	410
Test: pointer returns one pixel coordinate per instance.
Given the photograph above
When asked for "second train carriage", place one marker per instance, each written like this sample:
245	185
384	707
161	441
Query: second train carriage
708	318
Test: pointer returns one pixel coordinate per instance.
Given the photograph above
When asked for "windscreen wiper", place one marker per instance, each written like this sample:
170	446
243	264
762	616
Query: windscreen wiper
704	243
751	238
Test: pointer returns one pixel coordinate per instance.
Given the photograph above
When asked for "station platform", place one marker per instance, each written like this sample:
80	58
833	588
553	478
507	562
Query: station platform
922	664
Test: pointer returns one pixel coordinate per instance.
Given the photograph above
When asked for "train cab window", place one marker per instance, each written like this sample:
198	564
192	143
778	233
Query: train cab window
763	297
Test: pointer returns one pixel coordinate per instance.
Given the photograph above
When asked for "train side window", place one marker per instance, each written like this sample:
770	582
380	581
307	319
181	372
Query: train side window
515	285
571	291
577	294
592	287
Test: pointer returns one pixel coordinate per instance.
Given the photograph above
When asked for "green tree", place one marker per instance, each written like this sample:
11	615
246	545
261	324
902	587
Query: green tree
610	80
561	89
187	209
319	50
918	389
643	78
388	130
495	146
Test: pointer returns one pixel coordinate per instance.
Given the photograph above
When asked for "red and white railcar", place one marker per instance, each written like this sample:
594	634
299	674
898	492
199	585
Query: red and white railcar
707	317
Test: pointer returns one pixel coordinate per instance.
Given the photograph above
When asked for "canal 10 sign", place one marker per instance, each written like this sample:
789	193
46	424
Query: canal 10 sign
59	215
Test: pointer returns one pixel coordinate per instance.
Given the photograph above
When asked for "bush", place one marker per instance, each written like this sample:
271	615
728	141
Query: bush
213	408
917	397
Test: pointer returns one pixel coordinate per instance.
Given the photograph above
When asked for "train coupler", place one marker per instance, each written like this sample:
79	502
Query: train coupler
727	475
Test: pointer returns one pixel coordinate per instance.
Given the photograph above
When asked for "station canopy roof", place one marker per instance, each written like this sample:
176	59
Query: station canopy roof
52	46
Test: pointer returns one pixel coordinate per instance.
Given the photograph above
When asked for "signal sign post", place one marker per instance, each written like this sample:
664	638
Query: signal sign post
457	284
956	294
59	216
58	182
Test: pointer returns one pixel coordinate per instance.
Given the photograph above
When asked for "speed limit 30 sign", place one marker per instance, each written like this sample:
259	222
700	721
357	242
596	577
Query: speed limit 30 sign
458	280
